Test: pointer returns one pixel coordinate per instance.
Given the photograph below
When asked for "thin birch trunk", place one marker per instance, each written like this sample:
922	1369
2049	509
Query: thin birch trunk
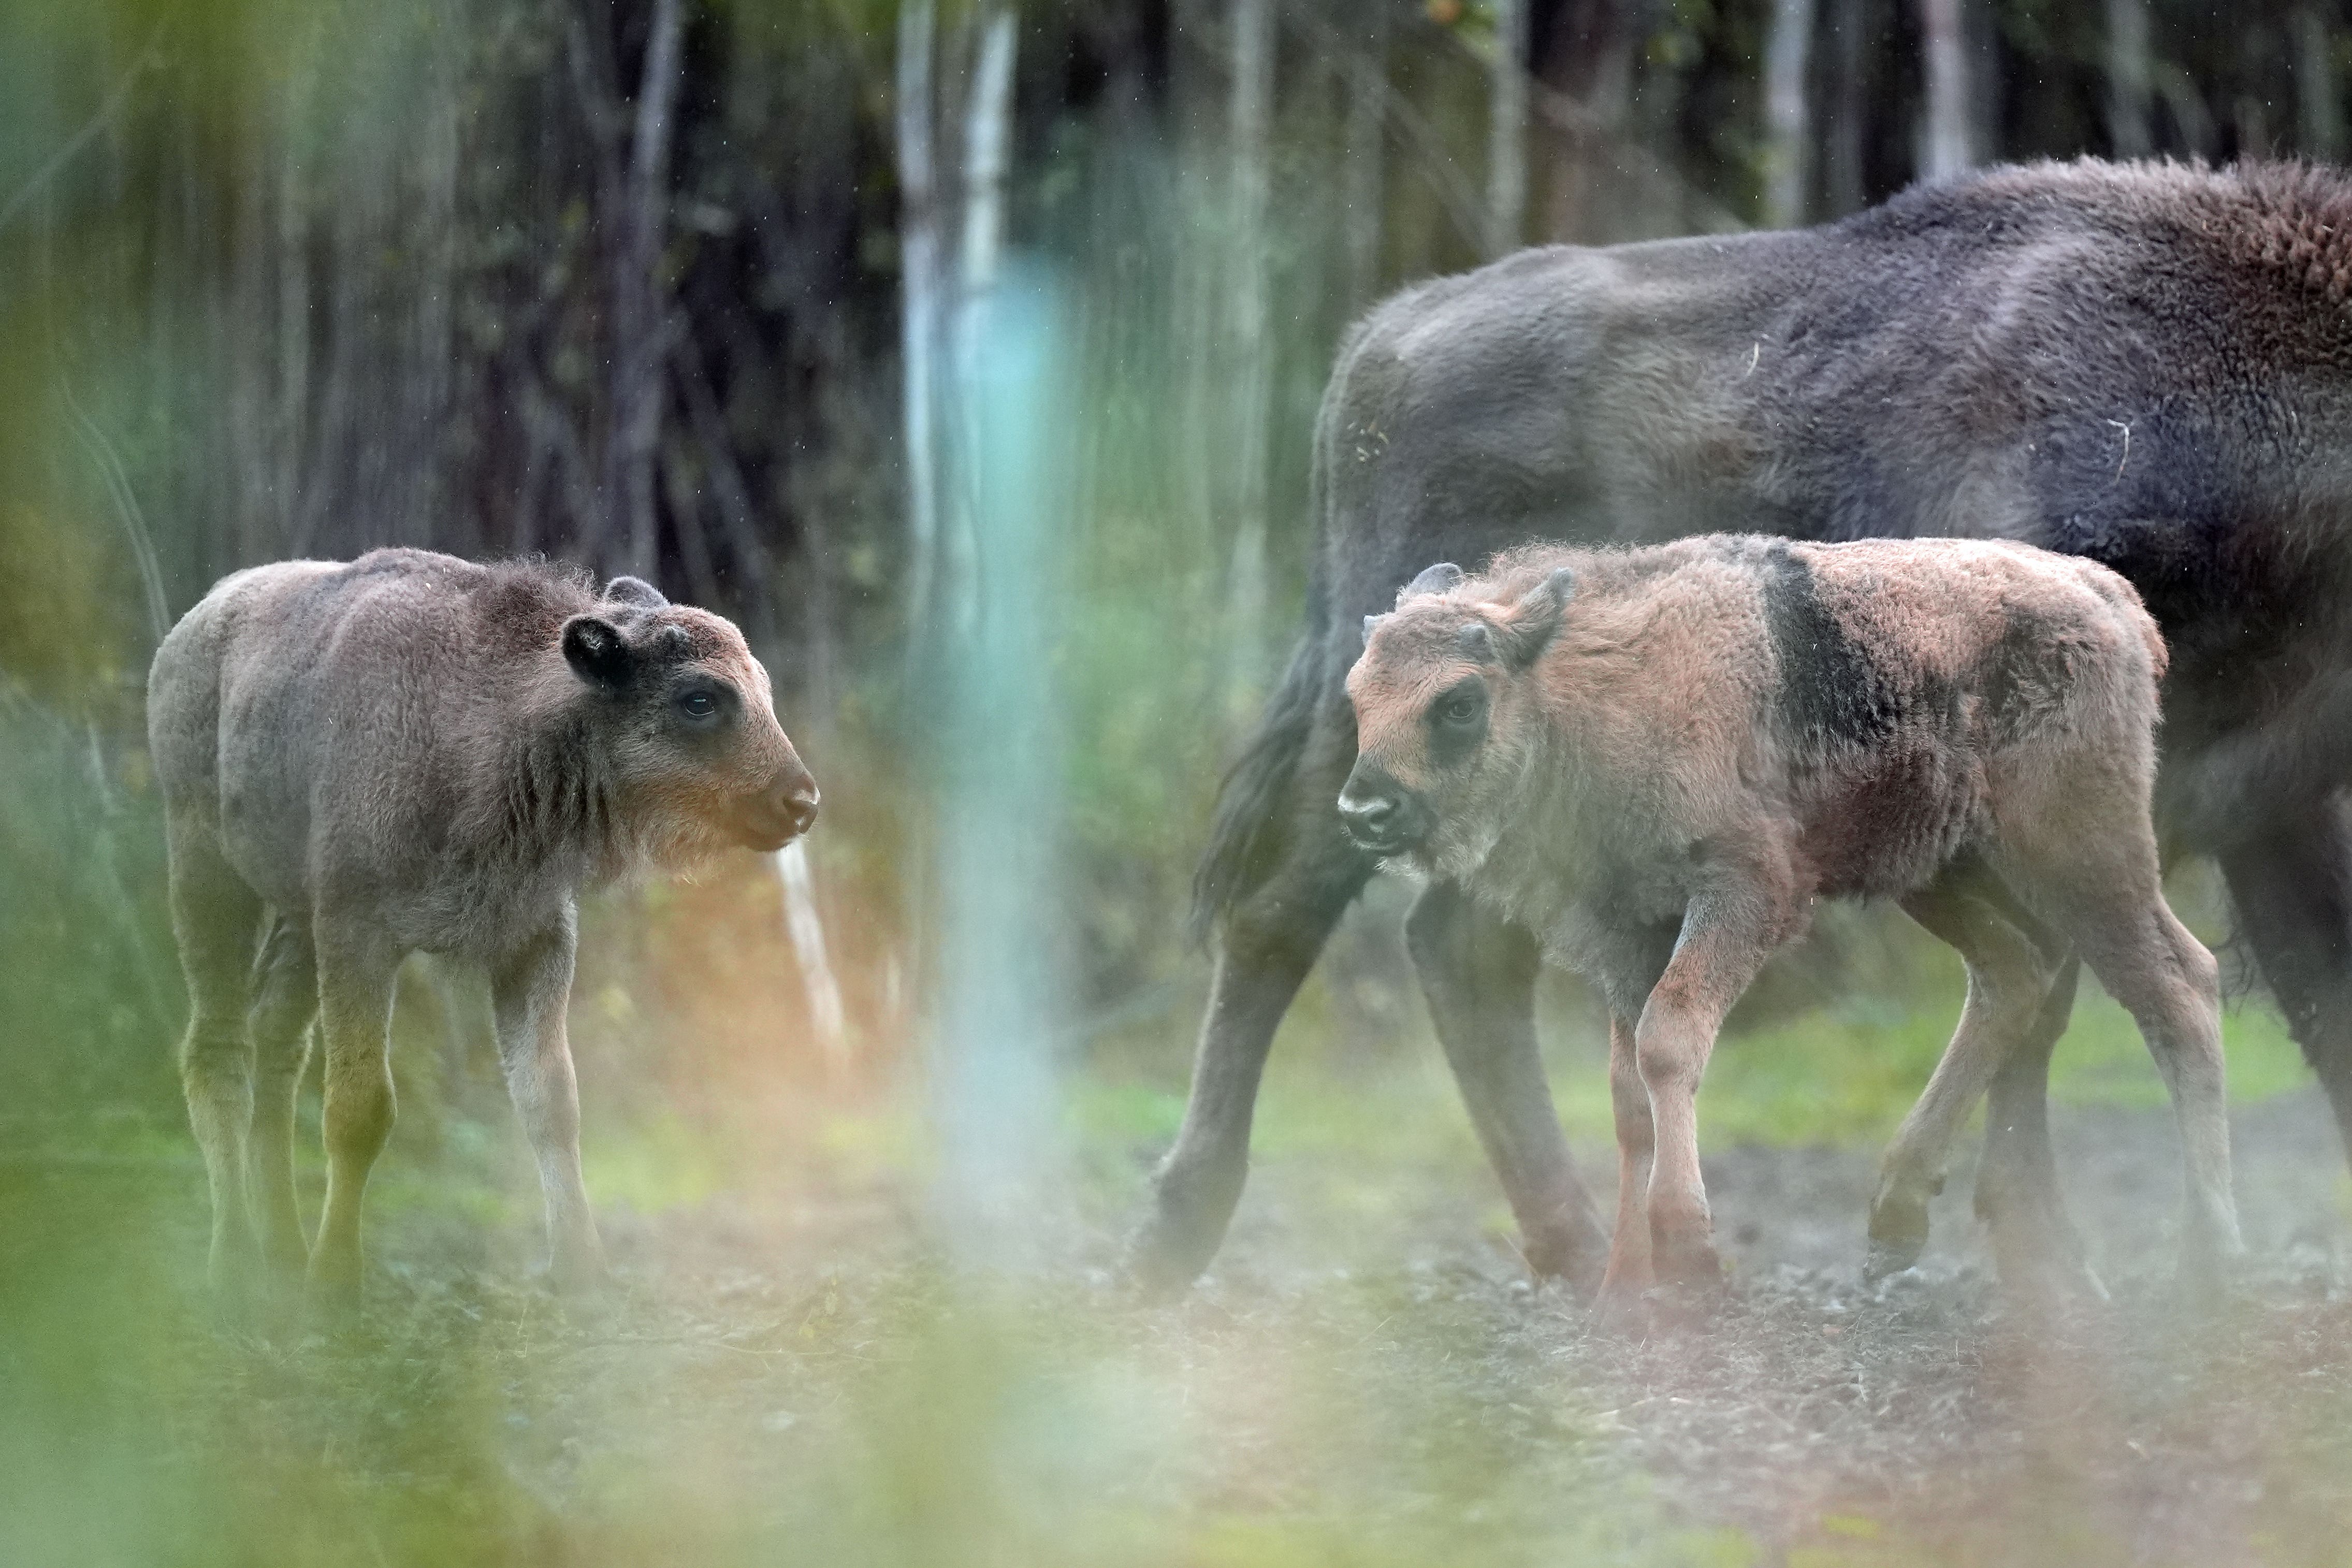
1786	124
289	422
920	312
640	322
2319	113
1507	130
1947	144
1365	172
987	136
1250	114
805	926
2128	79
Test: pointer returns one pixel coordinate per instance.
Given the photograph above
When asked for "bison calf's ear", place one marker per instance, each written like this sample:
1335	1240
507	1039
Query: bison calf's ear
596	651
1535	619
634	590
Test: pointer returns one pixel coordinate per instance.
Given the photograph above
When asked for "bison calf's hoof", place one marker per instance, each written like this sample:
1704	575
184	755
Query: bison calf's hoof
1886	1258
575	1271
1580	1260
1683	1256
333	1292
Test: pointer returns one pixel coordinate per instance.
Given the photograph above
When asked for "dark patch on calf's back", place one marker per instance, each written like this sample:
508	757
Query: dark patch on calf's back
1831	691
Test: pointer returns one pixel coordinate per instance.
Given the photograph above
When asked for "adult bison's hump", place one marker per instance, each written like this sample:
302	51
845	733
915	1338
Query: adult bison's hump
2136	362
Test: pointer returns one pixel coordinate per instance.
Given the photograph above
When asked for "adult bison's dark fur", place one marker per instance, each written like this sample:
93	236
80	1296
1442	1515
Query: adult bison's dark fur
2147	364
413	752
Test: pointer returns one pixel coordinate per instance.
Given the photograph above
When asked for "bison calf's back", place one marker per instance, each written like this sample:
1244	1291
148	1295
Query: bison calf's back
1656	759
412	752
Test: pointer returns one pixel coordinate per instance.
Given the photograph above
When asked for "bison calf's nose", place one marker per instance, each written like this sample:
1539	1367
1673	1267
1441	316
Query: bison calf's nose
1376	817
800	808
775	818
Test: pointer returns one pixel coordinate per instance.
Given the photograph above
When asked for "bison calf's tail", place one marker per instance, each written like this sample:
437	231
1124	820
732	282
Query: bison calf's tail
1245	837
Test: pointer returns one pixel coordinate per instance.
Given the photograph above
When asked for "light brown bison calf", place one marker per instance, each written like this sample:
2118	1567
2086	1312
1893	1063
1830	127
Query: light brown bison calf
412	752
1658	759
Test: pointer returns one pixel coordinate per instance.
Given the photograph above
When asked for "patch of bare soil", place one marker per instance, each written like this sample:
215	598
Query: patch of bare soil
1386	1389
1927	1416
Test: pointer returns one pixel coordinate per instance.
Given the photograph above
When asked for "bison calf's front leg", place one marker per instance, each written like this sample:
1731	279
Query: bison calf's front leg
529	992
1725	940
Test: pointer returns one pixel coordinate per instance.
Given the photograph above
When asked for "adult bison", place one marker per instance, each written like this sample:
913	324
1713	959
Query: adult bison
2147	364
411	751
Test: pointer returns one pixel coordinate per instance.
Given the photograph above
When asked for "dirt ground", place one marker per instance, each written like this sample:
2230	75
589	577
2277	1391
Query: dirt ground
804	1380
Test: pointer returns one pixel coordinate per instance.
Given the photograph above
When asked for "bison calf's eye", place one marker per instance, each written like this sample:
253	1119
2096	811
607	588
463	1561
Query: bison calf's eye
1461	707
699	705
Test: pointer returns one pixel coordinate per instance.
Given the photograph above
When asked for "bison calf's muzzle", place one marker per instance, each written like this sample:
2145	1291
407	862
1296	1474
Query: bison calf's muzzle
771	820
1380	816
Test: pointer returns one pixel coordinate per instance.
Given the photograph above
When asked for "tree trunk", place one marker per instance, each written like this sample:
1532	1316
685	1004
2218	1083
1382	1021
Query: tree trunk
1507	131
1366	171
921	282
987	136
1844	179
2128	79
1947	144
1249	121
1786	56
1591	62
640	325
805	926
2319	115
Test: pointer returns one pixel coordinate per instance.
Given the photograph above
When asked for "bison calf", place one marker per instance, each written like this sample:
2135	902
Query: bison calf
1657	759
412	752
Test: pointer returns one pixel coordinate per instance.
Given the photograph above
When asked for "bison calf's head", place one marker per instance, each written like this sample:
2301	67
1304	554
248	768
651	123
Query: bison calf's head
1446	717
676	720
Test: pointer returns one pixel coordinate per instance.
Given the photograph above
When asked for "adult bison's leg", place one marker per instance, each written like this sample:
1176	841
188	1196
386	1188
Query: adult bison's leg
285	1000
529	992
2009	979
1479	974
2293	888
356	966
1264	944
217	918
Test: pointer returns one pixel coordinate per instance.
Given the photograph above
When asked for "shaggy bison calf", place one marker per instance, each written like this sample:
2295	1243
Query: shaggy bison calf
1657	759
415	752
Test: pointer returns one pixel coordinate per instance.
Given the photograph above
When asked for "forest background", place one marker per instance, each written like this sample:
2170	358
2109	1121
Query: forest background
688	290
765	301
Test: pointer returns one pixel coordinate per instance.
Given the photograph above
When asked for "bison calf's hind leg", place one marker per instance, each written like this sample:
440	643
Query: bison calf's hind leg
530	993
286	998
356	983
2170	984
216	920
1628	1251
2036	1245
1479	975
2009	979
